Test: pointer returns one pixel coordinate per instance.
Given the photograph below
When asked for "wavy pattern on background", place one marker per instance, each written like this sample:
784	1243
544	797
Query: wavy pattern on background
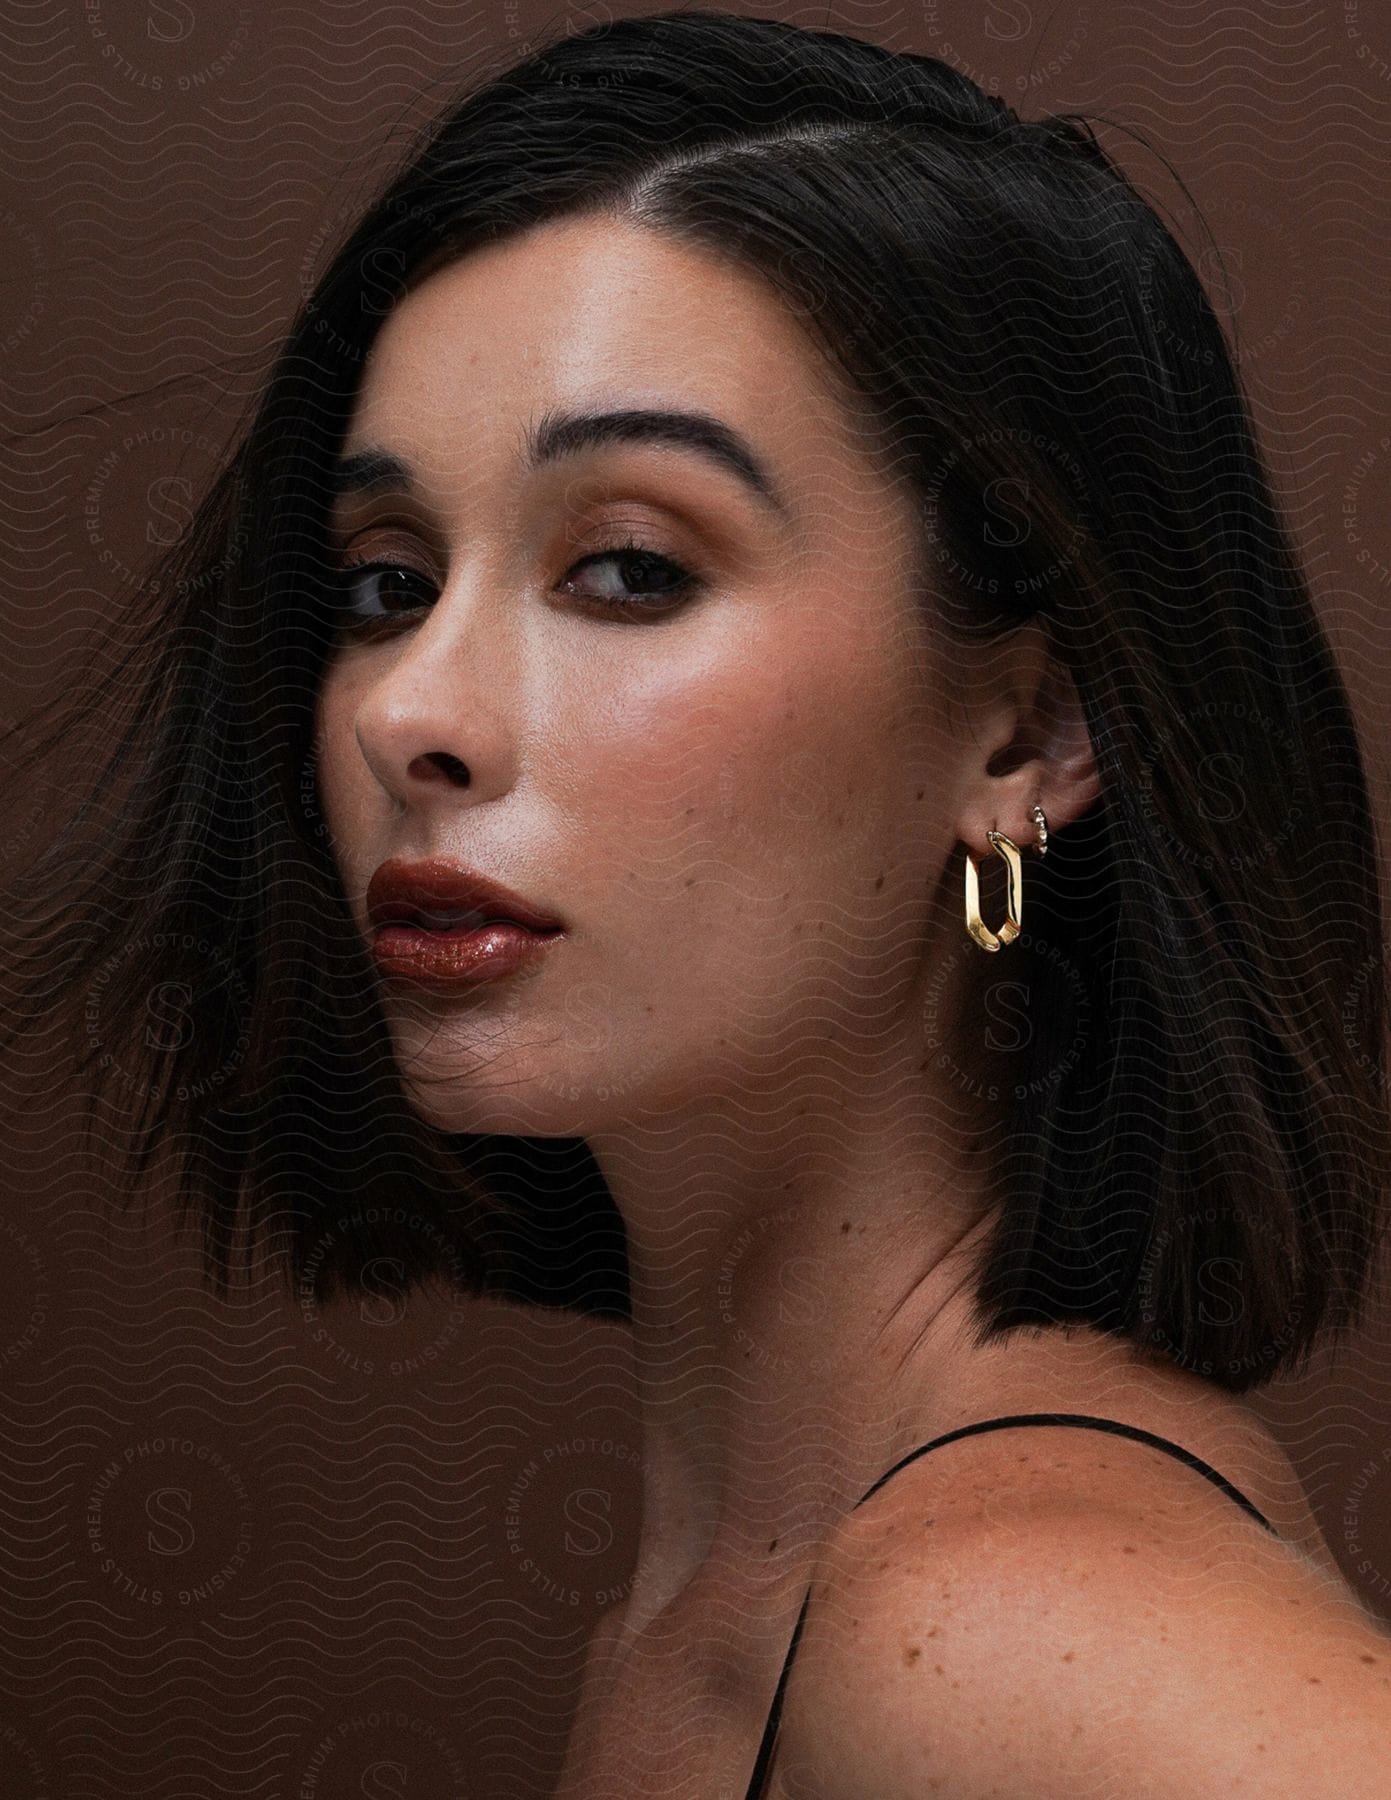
262	1547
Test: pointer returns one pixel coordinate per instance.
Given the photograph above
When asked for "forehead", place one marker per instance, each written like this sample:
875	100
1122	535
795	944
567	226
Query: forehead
579	311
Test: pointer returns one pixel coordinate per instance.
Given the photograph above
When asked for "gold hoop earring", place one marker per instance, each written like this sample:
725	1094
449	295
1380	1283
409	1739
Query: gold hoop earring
1008	850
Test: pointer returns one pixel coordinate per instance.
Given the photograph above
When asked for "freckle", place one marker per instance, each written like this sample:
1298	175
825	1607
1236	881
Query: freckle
1367	1659
912	1653
1314	1679
1260	1746
1068	1655
878	884
690	881
939	1669
1129	1549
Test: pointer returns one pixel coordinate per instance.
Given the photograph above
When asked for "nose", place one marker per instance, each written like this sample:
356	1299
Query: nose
436	726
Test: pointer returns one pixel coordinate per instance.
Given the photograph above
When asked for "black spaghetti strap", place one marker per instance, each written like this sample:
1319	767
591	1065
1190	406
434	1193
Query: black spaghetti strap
770	1729
1112	1425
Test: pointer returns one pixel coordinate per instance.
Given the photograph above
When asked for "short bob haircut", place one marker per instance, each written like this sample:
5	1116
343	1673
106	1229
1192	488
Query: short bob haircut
1205	1178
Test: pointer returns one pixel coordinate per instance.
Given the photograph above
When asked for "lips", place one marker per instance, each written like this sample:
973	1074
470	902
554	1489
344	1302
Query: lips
438	895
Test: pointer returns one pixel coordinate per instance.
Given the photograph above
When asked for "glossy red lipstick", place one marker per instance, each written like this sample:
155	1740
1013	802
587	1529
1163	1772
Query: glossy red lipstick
443	926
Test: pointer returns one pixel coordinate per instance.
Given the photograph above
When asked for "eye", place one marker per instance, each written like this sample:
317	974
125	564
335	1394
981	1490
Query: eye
360	588
372	597
641	581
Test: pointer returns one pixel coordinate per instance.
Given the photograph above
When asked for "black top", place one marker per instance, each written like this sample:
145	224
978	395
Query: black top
770	1730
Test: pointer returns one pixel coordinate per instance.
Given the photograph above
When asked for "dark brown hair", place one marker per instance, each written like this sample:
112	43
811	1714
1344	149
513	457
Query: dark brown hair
1204	1175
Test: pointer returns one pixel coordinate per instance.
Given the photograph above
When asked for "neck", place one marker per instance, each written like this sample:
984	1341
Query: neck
801	1280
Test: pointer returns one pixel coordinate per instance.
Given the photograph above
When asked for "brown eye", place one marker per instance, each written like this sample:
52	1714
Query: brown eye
368	594
630	578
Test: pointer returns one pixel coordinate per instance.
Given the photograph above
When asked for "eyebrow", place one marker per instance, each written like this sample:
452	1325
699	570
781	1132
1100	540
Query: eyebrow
561	433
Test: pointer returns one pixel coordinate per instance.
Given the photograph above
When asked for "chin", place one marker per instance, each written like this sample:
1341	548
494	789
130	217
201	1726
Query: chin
508	1102
497	1073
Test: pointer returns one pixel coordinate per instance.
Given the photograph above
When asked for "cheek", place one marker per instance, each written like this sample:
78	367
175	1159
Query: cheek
340	775
839	781
743	817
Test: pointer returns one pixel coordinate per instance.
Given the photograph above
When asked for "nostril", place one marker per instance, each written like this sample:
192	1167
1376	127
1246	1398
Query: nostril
450	766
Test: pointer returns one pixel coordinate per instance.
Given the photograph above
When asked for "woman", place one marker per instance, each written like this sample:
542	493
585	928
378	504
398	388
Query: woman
736	492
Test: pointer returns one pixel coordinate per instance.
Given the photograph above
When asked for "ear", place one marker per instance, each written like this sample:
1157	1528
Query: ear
1030	746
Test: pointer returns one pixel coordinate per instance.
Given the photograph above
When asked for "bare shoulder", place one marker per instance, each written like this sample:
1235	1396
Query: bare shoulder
1083	1630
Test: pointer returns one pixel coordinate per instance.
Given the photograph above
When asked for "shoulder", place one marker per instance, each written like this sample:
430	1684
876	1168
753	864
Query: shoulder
1067	1637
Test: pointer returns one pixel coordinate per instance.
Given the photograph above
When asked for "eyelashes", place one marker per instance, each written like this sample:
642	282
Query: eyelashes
350	586
674	581
656	586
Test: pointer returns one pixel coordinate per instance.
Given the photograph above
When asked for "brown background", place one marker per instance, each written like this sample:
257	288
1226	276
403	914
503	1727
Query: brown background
379	1534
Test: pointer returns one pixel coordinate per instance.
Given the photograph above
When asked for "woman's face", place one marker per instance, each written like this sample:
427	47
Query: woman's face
739	801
